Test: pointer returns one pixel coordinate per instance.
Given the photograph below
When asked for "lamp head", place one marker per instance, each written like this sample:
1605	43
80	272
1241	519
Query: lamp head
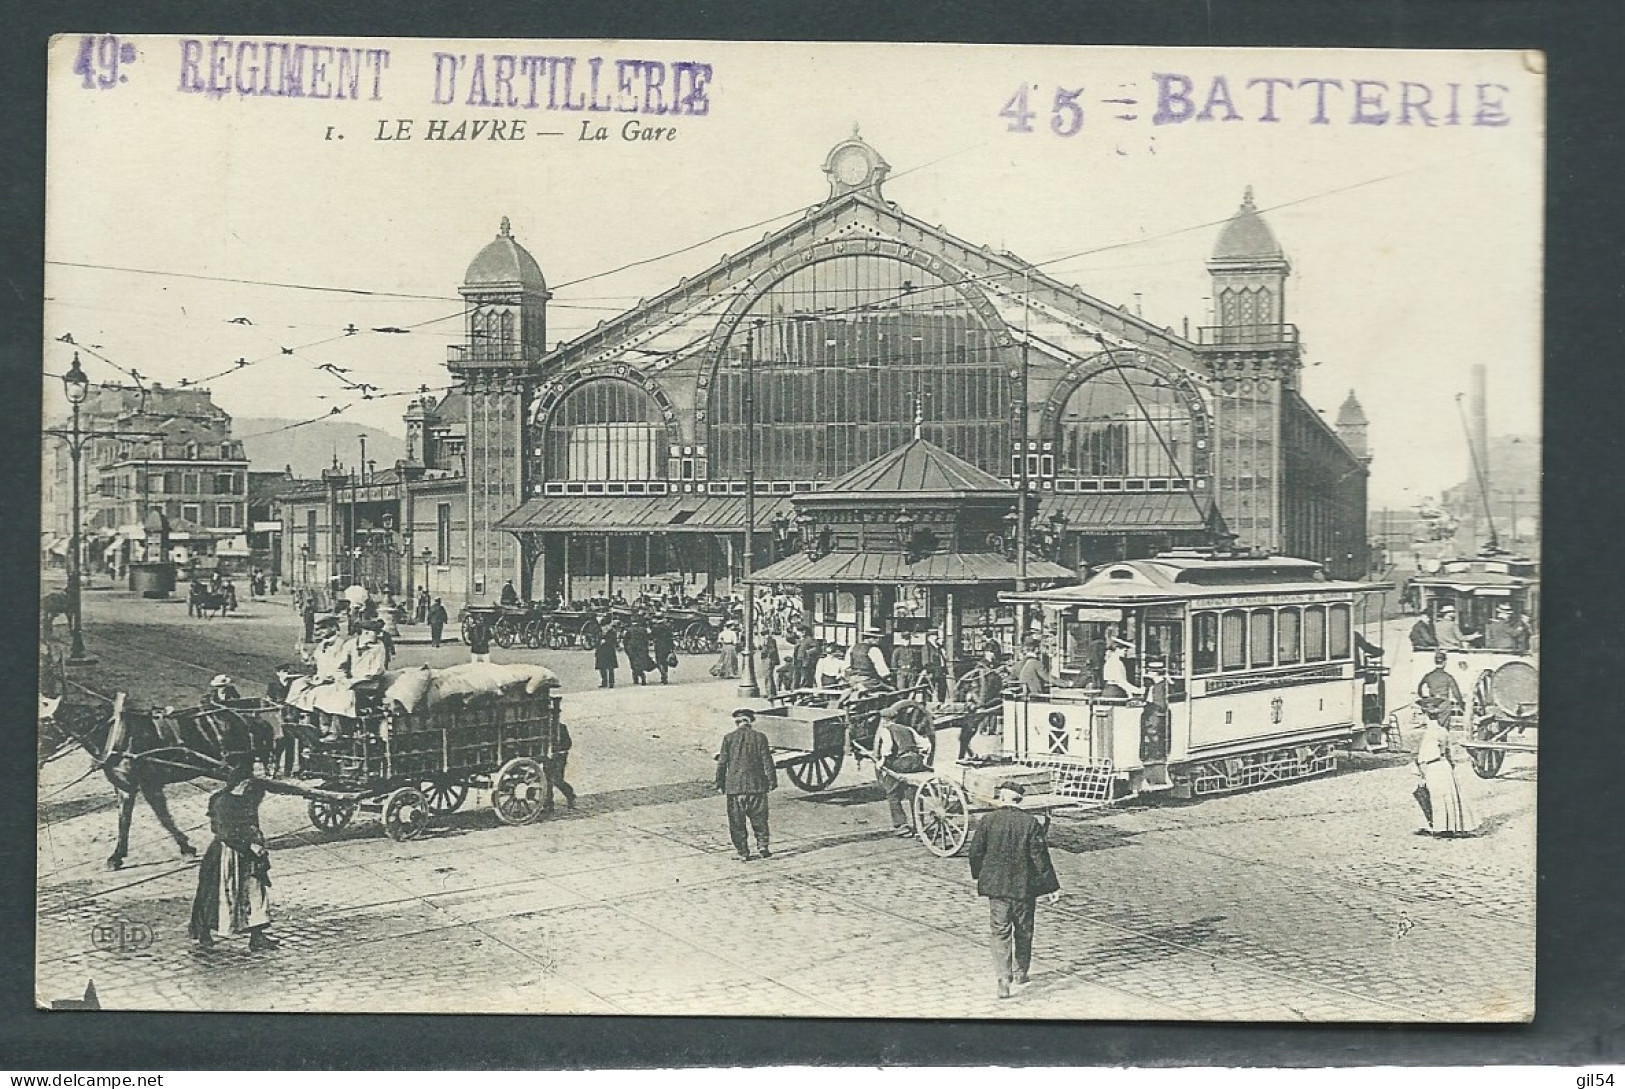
75	383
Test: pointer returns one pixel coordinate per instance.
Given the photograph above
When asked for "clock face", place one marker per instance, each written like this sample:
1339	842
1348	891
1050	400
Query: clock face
851	166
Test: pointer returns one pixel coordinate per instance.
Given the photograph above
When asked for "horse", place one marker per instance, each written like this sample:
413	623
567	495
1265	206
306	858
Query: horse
141	753
52	605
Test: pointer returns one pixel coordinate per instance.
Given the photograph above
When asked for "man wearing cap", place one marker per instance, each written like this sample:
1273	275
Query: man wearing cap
1114	671
1437	693
222	693
898	749
1506	631
1031	673
437	618
745	773
1451	637
1009	859
866	666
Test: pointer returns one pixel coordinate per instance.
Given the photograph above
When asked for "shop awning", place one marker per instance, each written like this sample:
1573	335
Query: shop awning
635	514
880	568
1127	512
58	547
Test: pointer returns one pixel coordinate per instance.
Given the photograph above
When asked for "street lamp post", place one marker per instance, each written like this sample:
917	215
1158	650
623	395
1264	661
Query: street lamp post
77	387
748	687
427	556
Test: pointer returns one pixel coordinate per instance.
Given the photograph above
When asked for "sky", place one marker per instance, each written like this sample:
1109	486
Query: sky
1415	249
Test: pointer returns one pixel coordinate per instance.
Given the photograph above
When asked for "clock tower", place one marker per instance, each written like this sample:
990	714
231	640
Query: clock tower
853	166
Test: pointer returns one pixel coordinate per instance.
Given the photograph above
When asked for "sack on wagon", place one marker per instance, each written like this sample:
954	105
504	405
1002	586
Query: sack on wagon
407	690
479	682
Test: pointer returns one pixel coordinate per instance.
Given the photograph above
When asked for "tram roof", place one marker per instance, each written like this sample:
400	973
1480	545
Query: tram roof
1179	577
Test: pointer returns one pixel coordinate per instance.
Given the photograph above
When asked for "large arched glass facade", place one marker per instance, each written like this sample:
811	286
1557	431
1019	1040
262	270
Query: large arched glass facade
843	348
1125	422
605	429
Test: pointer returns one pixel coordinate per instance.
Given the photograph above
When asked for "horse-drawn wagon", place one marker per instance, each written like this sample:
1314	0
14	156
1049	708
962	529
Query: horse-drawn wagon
811	731
411	767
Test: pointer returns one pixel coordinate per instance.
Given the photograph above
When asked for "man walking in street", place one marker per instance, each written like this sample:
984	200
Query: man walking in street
745	773
553	769
479	641
1009	858
437	621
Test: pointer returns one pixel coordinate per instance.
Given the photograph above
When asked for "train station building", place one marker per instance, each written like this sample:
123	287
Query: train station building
620	460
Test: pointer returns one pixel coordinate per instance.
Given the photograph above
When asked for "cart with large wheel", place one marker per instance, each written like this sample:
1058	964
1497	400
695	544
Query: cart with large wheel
696	630
811	730
947	798
412	768
1504	715
504	623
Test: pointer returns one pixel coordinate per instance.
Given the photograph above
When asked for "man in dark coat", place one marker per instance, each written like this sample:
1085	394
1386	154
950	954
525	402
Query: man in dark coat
664	647
1010	861
479	641
745	773
1437	693
553	767
605	655
437	621
806	656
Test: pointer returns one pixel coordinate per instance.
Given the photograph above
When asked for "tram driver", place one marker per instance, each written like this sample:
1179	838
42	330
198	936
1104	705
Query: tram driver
1115	683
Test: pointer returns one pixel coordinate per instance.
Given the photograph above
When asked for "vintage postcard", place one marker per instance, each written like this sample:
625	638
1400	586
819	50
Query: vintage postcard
817	530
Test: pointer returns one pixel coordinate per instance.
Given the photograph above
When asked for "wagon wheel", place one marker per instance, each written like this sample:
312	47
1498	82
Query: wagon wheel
815	773
697	637
1486	727
554	637
328	816
467	626
502	636
534	635
406	814
587	637
516	791
942	817
444	795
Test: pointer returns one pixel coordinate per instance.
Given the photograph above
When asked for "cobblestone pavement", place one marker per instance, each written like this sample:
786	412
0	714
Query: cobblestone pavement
1311	900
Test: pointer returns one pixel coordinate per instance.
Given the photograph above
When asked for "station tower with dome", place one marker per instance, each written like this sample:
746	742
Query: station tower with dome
505	334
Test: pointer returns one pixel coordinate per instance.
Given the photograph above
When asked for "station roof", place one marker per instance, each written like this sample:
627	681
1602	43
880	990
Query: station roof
1115	512
680	513
963	568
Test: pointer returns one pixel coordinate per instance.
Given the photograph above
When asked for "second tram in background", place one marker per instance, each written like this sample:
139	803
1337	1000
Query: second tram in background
1242	670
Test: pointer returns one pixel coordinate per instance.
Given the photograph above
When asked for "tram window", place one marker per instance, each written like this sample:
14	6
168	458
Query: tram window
1233	640
1263	637
1205	643
1314	634
1162	644
1338	631
1288	638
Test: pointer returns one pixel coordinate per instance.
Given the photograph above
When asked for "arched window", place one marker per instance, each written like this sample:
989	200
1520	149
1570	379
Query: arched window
605	429
842	350
1125	422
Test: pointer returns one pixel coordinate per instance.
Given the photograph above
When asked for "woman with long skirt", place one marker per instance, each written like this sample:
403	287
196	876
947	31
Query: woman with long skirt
1448	810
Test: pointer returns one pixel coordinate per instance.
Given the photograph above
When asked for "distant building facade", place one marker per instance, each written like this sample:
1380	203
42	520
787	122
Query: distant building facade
154	449
393	530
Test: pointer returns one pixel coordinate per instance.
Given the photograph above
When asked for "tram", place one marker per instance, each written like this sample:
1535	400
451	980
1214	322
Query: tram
1497	663
1242	670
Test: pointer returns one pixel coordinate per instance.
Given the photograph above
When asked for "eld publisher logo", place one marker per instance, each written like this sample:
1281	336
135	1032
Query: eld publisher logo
121	936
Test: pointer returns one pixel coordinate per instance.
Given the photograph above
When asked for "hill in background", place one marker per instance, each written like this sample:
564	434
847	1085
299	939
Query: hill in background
310	449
